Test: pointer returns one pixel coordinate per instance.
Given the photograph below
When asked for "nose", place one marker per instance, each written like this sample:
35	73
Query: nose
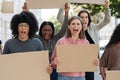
47	31
84	19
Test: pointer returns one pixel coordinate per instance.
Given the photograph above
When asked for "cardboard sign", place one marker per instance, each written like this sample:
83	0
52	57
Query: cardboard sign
24	66
7	7
113	75
77	58
45	4
87	1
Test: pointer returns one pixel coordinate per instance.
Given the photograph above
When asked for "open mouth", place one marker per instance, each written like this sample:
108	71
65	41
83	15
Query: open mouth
23	32
76	30
47	36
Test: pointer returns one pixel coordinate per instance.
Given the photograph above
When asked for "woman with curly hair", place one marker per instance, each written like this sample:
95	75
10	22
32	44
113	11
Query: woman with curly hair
23	26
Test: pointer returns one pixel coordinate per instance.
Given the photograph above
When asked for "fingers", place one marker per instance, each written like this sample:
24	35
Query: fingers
96	62
56	61
67	7
107	3
25	8
49	69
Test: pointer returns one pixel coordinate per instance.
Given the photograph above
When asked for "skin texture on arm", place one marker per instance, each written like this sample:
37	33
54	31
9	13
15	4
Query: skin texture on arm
103	74
104	62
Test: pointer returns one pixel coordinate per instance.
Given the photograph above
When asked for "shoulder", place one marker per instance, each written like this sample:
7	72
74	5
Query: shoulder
36	36
64	39
36	40
11	40
85	41
61	40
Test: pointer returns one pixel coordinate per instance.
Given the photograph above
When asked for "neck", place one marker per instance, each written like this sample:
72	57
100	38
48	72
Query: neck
74	38
23	39
46	40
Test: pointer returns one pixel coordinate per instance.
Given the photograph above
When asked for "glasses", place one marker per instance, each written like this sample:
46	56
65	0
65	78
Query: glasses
23	25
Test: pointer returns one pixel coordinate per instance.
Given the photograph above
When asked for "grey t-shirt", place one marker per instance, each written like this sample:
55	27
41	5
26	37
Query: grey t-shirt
15	45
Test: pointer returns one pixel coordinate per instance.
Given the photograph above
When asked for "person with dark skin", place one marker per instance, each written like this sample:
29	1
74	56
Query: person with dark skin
49	39
47	35
110	59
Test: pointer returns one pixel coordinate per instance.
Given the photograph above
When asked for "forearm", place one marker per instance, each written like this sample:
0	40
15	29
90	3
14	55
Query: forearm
103	74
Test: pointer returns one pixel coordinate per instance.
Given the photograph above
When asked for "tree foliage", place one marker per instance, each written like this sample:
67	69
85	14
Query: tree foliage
94	8
114	6
57	25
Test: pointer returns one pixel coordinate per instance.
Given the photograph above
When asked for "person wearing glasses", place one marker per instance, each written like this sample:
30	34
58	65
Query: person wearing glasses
23	26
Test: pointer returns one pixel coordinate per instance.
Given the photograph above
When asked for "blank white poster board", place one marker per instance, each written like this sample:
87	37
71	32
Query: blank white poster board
45	4
87	1
77	58
24	66
113	75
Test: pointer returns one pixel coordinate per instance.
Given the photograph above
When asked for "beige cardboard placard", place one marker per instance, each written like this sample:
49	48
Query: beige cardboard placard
45	4
24	66
113	75
87	1
77	58
7	7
